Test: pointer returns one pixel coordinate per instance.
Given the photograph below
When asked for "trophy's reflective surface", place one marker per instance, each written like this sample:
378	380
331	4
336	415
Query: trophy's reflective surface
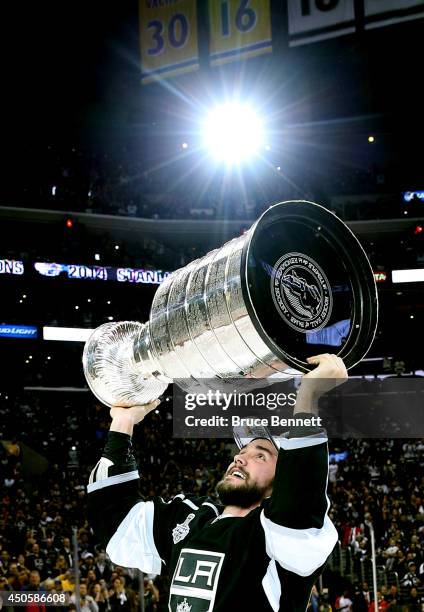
298	283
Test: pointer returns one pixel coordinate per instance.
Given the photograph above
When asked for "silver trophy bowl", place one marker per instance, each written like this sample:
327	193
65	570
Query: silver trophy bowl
298	283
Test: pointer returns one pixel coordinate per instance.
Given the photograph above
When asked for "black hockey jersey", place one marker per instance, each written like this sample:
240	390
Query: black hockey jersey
265	561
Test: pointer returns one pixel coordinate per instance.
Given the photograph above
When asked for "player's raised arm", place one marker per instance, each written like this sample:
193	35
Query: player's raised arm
135	532
298	531
122	521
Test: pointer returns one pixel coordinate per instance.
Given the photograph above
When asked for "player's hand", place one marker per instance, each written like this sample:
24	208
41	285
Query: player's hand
329	373
135	414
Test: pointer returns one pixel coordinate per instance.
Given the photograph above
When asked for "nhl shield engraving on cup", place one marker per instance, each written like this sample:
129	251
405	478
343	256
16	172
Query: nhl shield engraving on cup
296	284
301	292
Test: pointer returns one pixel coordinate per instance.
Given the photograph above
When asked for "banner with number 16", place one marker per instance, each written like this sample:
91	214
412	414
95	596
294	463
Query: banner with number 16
238	29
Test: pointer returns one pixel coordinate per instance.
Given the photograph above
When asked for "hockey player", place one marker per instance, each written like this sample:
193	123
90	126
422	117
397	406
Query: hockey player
261	550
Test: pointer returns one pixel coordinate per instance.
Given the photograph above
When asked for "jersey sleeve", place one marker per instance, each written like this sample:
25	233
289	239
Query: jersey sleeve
136	533
299	534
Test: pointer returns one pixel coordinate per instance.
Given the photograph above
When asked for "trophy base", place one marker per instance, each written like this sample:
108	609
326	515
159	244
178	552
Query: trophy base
118	367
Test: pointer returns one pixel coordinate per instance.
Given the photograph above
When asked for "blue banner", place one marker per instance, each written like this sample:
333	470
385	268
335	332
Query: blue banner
104	273
408	196
18	331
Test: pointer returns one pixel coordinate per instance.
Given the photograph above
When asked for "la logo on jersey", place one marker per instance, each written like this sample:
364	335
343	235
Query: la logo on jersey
195	581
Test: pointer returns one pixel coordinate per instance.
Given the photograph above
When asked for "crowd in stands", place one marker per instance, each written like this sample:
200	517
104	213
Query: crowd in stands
381	483
49	443
78	245
123	183
45	467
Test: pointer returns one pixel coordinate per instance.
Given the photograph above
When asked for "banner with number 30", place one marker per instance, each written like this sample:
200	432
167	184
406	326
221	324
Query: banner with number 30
238	29
168	38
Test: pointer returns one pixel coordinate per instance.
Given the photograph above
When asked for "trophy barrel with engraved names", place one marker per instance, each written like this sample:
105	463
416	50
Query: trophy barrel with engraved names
298	283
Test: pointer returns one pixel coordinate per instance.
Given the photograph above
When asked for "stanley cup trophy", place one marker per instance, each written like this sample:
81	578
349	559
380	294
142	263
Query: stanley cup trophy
298	283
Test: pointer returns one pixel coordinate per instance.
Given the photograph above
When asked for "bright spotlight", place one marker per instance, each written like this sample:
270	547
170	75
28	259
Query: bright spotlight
233	132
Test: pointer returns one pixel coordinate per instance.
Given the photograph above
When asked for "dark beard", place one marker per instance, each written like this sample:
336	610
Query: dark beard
242	497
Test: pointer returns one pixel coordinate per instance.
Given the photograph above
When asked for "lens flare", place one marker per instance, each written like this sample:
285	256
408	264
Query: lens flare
233	133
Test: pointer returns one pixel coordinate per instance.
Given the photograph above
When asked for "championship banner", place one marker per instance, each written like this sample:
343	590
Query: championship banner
11	266
239	29
103	273
313	20
168	38
380	13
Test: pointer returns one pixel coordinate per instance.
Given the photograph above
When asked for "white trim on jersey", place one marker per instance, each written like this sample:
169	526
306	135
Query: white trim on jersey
101	470
190	504
293	443
301	551
112	480
272	586
214	508
179	496
222	516
132	544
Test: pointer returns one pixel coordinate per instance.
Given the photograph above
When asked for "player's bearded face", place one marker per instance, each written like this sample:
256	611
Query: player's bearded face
242	496
249	478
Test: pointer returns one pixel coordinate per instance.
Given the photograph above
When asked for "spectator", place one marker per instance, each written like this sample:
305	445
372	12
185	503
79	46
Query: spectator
333	468
102	567
61	565
49	584
343	603
66	551
393	595
4	562
35	585
119	597
381	601
23	578
87	563
314	600
13	576
5	585
34	582
362	598
411	579
415	601
36	560
58	586
324	604
151	595
100	596
67	581
86	601
91	578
